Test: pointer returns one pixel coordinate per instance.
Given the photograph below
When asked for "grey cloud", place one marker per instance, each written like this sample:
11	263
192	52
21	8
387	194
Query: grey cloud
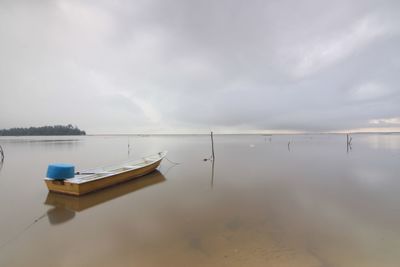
126	66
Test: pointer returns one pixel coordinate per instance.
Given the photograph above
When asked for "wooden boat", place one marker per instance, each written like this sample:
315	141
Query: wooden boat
91	180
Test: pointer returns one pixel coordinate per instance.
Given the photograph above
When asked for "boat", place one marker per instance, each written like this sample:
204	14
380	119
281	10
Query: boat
84	182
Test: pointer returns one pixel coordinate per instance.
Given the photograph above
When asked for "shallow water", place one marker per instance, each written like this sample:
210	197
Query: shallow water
312	203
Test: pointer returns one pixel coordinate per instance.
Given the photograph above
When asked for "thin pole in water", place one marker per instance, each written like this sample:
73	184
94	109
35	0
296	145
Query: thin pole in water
1	153
349	139
212	159
2	157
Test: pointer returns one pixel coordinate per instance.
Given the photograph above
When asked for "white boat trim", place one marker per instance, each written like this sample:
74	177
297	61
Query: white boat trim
104	172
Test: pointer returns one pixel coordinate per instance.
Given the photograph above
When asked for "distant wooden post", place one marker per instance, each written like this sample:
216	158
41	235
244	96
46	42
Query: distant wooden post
212	157
1	157
1	154
349	139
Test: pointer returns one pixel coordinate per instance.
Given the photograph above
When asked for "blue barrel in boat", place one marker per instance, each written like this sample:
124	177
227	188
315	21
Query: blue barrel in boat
60	171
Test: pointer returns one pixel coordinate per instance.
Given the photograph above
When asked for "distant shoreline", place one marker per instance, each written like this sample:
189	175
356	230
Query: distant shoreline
200	134
55	130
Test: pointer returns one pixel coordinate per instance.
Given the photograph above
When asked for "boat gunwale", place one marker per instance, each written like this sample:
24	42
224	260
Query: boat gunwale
160	155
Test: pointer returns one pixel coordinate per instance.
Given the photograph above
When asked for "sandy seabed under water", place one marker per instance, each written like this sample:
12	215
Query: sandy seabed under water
261	204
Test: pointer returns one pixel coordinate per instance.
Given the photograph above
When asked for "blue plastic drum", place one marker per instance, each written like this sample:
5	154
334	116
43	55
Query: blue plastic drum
60	171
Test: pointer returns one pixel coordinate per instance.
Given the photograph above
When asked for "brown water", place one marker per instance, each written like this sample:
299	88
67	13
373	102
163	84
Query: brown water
266	204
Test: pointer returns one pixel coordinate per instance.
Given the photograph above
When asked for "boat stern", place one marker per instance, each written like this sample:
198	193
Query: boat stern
63	186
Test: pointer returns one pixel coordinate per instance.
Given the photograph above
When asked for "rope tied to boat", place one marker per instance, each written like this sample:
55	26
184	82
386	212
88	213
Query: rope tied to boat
175	163
20	233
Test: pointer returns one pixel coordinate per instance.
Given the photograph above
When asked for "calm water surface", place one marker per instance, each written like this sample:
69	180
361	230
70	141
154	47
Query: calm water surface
263	204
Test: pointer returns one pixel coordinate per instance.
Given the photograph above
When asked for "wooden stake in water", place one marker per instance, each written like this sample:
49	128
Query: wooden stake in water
212	157
212	146
1	157
349	139
1	154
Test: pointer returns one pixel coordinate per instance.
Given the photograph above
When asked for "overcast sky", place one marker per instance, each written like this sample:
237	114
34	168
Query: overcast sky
191	66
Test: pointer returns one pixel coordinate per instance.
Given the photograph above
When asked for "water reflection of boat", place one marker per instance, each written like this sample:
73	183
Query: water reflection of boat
59	215
74	203
91	180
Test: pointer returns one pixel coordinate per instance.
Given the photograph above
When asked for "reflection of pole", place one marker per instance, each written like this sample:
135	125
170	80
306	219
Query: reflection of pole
213	160
212	146
212	174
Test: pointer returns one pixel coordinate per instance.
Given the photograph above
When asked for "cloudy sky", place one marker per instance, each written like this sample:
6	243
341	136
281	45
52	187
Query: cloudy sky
191	66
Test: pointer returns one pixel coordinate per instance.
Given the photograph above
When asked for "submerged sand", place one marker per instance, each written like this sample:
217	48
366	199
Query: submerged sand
313	205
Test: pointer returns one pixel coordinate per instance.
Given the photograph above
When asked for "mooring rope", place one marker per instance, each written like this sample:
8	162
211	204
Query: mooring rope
22	231
175	163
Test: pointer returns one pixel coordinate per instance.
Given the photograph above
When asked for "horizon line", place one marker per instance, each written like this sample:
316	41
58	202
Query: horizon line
244	133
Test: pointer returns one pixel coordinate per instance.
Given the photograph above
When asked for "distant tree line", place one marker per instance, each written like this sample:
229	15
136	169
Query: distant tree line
44	130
